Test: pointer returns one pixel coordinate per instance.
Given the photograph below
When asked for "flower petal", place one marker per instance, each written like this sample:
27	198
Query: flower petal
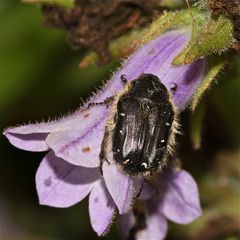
156	58
31	142
188	82
180	198
147	191
156	227
32	137
156	224
126	222
60	184
101	208
81	146
123	188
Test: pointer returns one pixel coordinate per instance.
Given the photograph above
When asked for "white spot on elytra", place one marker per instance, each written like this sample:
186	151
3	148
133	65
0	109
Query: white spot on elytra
144	165
121	132
126	161
162	141
122	114
167	124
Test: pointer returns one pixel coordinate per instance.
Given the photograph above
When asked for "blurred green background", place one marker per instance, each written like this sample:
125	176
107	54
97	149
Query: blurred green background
40	78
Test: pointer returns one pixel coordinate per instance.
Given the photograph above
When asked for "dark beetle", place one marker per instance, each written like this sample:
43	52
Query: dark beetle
141	133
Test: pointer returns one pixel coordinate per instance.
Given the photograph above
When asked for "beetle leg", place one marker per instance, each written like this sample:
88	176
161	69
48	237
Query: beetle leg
103	154
102	160
95	104
173	88
107	101
140	190
124	79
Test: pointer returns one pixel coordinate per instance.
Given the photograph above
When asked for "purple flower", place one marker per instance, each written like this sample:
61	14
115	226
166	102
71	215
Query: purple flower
71	169
175	197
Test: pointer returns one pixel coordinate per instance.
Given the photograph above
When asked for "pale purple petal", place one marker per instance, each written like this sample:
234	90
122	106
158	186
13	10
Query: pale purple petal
34	142
147	191
188	79
32	137
101	208
156	224
60	184
123	188
180	198
81	146
156	228
126	222
65	123
156	58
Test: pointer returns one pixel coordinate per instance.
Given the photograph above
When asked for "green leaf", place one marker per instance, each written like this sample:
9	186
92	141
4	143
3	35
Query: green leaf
208	35
182	19
171	3
214	67
197	125
61	3
214	36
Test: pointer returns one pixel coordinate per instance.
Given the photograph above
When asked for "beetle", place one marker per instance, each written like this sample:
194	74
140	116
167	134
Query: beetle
141	131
